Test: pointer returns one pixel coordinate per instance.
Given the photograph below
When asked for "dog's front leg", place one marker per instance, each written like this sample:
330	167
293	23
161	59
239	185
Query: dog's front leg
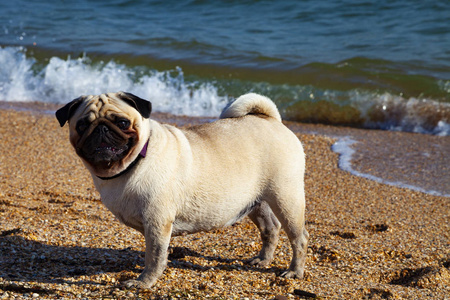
157	239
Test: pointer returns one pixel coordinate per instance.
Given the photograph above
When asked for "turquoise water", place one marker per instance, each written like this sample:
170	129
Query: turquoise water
371	64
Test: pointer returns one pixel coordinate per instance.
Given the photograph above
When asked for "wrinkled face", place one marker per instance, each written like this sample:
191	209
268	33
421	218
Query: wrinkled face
107	131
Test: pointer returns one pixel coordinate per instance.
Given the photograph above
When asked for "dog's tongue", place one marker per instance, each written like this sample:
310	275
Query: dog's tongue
104	145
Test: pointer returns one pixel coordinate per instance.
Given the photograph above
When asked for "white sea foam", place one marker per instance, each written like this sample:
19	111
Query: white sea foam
63	80
344	148
396	113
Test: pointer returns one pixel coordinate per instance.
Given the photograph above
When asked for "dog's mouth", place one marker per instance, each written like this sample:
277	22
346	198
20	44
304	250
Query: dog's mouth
104	154
105	148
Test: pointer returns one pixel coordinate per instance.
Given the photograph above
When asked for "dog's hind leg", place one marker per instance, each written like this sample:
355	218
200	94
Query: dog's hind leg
292	217
299	243
269	228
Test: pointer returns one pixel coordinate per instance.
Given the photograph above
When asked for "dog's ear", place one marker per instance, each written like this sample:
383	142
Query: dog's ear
144	107
64	113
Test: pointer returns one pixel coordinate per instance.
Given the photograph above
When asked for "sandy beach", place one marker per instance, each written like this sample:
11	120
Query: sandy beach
368	240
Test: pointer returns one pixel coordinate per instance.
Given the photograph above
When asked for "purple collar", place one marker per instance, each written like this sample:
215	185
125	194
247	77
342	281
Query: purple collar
142	154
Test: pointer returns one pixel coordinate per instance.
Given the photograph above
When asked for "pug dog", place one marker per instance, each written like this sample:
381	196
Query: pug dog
165	181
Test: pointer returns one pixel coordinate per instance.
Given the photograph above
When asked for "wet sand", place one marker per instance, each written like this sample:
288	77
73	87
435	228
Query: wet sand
368	240
399	158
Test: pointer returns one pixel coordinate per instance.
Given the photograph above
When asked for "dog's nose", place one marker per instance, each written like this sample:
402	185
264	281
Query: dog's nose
102	129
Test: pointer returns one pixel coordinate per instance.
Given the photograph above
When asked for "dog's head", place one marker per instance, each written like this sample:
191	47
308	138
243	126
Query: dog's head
107	131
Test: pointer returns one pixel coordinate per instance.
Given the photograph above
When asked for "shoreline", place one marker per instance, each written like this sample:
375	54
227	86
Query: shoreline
416	161
367	239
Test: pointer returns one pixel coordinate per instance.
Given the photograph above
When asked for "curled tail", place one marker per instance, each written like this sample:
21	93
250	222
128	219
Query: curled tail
251	104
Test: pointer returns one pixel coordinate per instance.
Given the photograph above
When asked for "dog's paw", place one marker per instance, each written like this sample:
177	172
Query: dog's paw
138	284
259	262
292	274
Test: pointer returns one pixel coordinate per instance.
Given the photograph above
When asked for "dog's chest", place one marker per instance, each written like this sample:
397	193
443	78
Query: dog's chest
123	205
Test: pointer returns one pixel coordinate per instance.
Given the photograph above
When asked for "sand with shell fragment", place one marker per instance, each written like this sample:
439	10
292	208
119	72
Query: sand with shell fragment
57	240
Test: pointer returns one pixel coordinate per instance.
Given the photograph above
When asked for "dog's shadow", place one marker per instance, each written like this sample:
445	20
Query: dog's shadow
25	260
22	259
176	254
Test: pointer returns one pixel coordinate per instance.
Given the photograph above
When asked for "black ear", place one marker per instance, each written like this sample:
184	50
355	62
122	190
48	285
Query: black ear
144	107
64	113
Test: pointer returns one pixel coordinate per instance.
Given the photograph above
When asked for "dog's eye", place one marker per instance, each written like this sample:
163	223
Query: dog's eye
81	127
123	124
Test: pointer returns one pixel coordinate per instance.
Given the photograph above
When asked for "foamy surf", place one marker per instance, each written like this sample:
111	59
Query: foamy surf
61	80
